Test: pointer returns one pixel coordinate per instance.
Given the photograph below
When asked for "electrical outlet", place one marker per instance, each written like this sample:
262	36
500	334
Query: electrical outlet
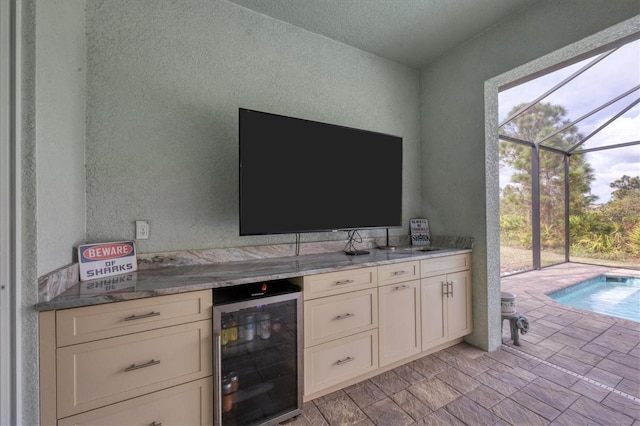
142	229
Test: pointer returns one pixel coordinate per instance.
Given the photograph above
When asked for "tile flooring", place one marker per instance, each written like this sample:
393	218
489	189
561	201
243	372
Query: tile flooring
572	368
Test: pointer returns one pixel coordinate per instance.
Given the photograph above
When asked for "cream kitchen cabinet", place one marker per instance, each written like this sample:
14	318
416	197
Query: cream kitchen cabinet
116	363
333	317
187	404
106	363
333	283
445	290
361	322
340	323
338	361
399	312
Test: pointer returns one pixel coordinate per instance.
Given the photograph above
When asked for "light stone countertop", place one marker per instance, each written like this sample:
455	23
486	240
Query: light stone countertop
178	279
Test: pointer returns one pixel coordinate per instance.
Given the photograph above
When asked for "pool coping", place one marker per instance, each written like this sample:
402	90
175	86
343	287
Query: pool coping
583	284
558	277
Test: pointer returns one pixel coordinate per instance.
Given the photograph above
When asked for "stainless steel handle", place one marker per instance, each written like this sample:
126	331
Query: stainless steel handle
133	367
344	282
451	284
345	316
217	359
156	424
400	272
346	360
137	317
401	287
445	292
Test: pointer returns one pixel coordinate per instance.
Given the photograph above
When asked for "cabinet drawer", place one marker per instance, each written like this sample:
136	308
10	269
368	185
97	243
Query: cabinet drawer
331	363
333	317
333	283
445	264
188	404
398	272
79	325
94	374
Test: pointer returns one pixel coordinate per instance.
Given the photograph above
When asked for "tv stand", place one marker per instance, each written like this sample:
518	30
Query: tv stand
356	252
387	246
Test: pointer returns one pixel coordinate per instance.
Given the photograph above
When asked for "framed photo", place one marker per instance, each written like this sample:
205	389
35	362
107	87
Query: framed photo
420	235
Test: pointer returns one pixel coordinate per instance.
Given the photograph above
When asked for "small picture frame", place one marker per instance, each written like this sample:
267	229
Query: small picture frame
420	235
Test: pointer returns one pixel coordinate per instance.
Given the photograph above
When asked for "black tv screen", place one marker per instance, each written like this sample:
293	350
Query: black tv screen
303	176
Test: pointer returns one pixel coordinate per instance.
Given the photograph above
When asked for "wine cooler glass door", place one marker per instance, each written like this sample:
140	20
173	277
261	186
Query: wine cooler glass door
258	360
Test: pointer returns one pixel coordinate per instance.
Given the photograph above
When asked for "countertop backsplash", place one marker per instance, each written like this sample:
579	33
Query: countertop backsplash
209	268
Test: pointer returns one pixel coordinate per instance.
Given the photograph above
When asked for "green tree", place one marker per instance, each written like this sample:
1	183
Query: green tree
535	124
626	186
624	210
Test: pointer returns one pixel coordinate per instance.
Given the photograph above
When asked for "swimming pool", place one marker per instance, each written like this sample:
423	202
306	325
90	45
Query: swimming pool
609	295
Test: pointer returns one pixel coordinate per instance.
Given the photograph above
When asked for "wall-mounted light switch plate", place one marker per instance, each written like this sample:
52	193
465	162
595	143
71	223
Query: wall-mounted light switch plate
142	229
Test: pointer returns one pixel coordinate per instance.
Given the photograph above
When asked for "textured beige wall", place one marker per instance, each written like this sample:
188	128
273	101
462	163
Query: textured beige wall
52	171
60	130
165	81
455	177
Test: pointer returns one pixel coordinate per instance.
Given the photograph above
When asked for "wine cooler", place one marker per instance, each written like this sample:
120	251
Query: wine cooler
257	353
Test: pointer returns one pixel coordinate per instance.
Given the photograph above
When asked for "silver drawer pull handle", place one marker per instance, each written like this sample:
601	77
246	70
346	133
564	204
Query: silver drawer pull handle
345	316
137	317
156	424
344	282
137	367
346	360
400	272
401	287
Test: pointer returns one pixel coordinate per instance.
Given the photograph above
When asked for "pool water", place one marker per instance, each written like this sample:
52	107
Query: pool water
615	296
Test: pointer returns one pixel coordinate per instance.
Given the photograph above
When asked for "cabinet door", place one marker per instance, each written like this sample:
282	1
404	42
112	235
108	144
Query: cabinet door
338	361
444	265
433	306
459	305
95	374
340	282
399	321
398	272
79	325
188	404
333	317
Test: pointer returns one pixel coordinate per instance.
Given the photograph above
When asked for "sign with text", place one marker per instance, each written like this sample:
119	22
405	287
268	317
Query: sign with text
420	235
106	259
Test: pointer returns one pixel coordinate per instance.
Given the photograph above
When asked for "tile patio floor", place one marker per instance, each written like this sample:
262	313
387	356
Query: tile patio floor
573	368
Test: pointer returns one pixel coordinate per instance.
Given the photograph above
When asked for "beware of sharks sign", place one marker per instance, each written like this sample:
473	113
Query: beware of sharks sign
106	259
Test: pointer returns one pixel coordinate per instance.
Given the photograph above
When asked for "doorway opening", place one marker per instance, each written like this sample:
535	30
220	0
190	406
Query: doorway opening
569	155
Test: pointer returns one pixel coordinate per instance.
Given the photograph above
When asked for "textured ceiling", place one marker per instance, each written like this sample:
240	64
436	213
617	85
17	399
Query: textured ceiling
411	32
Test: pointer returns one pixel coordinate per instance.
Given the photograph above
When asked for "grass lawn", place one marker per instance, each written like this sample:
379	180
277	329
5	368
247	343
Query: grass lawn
516	259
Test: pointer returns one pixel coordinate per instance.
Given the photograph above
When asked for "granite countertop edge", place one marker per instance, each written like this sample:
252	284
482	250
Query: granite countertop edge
180	279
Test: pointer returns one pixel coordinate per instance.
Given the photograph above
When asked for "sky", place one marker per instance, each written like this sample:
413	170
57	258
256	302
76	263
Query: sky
610	78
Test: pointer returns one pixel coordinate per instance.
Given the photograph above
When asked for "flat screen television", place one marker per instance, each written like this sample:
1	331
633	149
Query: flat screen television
300	176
